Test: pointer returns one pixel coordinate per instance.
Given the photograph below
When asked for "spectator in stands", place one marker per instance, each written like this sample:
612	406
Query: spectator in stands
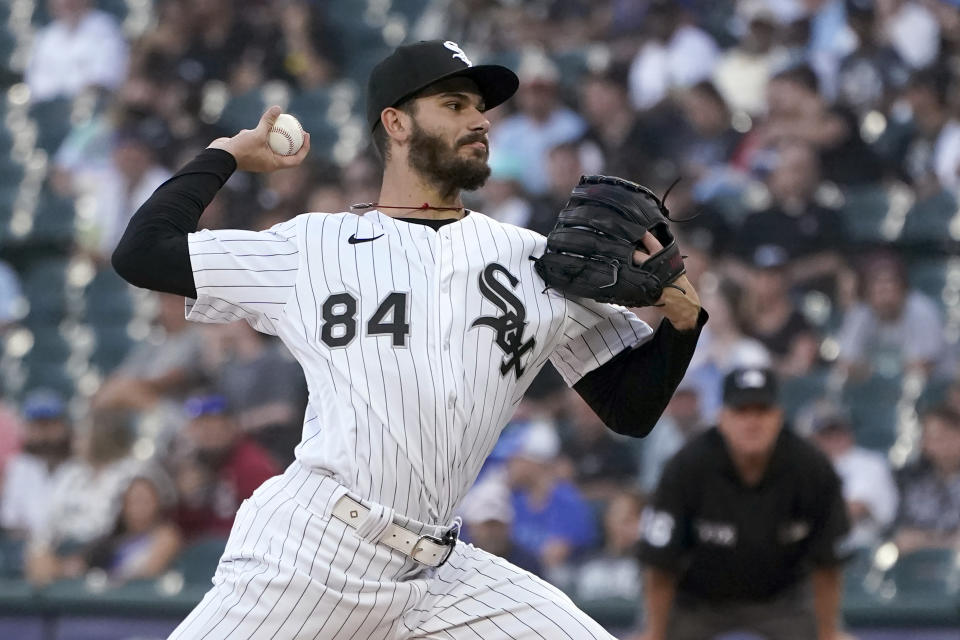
285	192
11	297
893	328
134	171
551	518
308	46
564	168
770	316
675	53
930	488
743	70
144	540
681	421
503	197
798	112
932	158
31	474
223	468
868	485
811	233
542	122
952	395
706	141
613	572
83	502
871	74
11	432
601	462
325	196
722	347
912	29
488	517
82	47
261	383
745	517
157	371
616	128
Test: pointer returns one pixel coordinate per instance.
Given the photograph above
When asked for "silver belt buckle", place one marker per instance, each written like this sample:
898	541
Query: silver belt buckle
449	541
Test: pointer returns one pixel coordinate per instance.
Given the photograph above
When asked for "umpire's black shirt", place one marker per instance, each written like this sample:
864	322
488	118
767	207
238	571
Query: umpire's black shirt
728	541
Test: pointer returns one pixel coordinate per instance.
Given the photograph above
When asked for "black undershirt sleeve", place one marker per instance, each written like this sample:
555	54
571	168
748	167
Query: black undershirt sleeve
630	392
153	251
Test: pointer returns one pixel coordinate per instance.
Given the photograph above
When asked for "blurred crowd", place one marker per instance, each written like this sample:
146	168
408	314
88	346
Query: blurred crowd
765	121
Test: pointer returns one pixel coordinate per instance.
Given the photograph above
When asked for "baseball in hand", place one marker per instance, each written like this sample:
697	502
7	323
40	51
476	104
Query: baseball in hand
286	136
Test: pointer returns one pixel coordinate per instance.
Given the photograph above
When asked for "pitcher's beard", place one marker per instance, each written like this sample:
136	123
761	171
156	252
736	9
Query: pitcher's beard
443	167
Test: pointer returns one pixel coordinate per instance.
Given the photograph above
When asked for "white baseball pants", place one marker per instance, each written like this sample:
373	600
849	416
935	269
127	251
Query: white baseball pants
291	571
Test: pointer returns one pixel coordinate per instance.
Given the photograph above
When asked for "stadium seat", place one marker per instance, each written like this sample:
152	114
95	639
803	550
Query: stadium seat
49	346
11	557
107	300
47	375
54	221
10	172
17	598
8	195
310	108
873	407
863	211
199	560
928	221
44	285
113	343
798	392
927	587
8	41
343	13
572	66
410	9
119	8
359	61
53	122
243	111
929	275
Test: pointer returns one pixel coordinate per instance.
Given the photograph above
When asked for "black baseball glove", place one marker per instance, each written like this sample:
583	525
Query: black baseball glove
590	250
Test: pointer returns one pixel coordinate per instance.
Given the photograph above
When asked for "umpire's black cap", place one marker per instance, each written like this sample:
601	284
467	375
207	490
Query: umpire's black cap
750	386
413	67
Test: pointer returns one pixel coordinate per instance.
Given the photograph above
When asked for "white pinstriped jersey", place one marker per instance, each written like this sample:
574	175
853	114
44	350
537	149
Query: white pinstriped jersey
416	344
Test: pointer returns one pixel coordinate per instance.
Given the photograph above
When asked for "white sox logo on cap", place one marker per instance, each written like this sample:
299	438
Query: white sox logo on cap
752	379
457	52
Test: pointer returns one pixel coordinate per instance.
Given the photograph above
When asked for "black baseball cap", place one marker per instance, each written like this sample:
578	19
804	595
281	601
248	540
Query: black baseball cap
413	67
750	386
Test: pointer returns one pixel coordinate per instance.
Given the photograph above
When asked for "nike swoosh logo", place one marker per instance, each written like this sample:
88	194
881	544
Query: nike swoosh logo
355	240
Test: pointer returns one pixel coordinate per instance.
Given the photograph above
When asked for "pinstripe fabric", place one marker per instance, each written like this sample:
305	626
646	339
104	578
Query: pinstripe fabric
417	346
404	420
290	571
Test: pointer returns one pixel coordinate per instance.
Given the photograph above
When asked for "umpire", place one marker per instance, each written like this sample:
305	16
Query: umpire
744	514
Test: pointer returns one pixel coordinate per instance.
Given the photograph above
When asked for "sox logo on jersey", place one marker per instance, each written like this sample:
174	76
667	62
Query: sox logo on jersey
417	345
510	325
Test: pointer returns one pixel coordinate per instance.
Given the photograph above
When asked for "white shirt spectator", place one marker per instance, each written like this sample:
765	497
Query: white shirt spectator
685	60
83	502
916	336
10	295
946	156
529	142
27	487
867	478
65	61
713	358
117	201
915	34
